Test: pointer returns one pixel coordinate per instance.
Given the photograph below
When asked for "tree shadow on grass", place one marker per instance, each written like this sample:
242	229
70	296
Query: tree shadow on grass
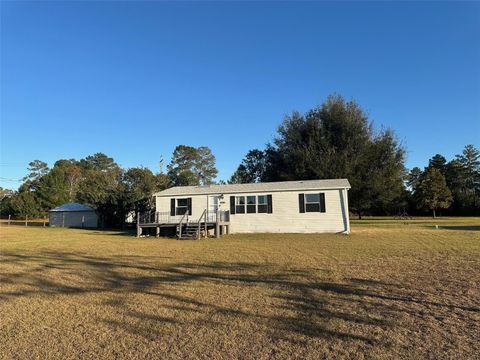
461	227
302	304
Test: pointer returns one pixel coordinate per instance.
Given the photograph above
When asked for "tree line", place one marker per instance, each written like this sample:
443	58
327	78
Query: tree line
99	181
333	140
337	140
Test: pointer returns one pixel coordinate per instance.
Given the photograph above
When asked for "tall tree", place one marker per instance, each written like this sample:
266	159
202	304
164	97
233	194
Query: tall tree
469	161
205	166
52	189
192	166
337	140
73	175
438	162
100	162
432	192
37	169
140	183
101	187
413	178
252	168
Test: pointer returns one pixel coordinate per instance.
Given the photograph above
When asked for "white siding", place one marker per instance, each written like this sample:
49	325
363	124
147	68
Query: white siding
286	217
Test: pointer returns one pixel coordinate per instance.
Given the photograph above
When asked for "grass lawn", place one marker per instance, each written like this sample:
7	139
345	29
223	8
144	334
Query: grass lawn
392	289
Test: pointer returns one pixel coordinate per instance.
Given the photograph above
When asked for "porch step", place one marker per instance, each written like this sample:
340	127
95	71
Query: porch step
189	232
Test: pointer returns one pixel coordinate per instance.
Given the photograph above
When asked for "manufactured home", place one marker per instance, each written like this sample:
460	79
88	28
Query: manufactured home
308	206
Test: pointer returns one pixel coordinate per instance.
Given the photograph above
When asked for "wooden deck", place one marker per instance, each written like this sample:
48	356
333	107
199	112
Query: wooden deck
186	226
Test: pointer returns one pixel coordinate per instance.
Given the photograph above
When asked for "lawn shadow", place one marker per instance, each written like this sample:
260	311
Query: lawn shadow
304	305
461	227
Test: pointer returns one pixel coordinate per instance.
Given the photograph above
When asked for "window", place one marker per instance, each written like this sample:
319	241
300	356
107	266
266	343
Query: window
182	206
312	202
251	204
262	204
240	204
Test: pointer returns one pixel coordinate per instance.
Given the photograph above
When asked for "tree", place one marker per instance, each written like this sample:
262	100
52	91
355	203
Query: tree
204	166
192	166
413	178
25	204
101	187
438	162
432	191
6	196
337	140
99	162
73	175
37	169
140	183
52	189
469	161
252	168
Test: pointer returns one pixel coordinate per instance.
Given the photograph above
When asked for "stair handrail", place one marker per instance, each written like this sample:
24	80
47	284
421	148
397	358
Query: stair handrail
204	215
180	224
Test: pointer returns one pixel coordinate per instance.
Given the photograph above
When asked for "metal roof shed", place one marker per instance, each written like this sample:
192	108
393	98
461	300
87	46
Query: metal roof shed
73	215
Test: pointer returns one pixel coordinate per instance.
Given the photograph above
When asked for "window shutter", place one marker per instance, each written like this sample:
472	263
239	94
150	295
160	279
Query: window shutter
322	202
269	204
172	207
189	206
232	204
301	202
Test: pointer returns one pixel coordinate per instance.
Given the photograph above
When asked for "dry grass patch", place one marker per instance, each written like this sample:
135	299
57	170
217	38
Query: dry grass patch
387	291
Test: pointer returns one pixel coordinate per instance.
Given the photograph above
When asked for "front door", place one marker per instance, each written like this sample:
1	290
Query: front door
213	201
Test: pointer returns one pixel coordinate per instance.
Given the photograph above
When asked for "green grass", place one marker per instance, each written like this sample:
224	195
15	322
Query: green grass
392	289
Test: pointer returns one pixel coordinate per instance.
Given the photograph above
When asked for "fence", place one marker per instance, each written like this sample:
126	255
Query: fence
22	221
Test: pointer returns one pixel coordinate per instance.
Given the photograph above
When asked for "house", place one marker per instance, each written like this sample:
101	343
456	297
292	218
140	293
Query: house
308	206
73	215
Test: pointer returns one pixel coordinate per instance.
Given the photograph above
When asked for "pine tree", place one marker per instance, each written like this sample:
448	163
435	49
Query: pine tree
432	192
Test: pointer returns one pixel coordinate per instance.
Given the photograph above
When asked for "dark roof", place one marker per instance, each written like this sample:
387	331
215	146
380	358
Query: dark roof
72	207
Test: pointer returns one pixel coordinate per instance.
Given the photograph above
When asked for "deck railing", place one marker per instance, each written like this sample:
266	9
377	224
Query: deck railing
164	217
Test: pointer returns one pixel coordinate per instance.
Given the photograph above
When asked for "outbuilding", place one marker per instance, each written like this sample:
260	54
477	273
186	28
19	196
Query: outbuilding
73	215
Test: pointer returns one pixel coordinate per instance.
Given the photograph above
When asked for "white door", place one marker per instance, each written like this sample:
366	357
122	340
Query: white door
213	201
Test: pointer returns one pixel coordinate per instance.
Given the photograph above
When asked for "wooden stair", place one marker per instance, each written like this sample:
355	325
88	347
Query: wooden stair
189	231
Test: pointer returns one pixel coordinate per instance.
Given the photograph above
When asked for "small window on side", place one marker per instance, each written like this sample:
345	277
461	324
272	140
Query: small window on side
312	202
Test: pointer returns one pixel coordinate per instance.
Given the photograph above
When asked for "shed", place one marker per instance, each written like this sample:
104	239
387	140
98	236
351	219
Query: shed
73	215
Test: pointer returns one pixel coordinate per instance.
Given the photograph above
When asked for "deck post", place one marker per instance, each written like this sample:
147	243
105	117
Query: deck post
205	224
217	225
139	229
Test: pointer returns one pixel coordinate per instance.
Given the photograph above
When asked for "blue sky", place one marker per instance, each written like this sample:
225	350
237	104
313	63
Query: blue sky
135	79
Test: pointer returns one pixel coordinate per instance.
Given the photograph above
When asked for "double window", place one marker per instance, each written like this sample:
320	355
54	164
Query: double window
251	204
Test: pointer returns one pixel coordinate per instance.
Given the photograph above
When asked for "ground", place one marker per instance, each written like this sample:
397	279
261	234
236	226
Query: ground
391	289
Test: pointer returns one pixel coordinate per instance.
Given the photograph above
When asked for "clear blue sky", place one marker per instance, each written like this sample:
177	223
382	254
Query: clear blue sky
133	80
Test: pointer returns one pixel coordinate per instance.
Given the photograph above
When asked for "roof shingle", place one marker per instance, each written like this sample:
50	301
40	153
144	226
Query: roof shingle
300	185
